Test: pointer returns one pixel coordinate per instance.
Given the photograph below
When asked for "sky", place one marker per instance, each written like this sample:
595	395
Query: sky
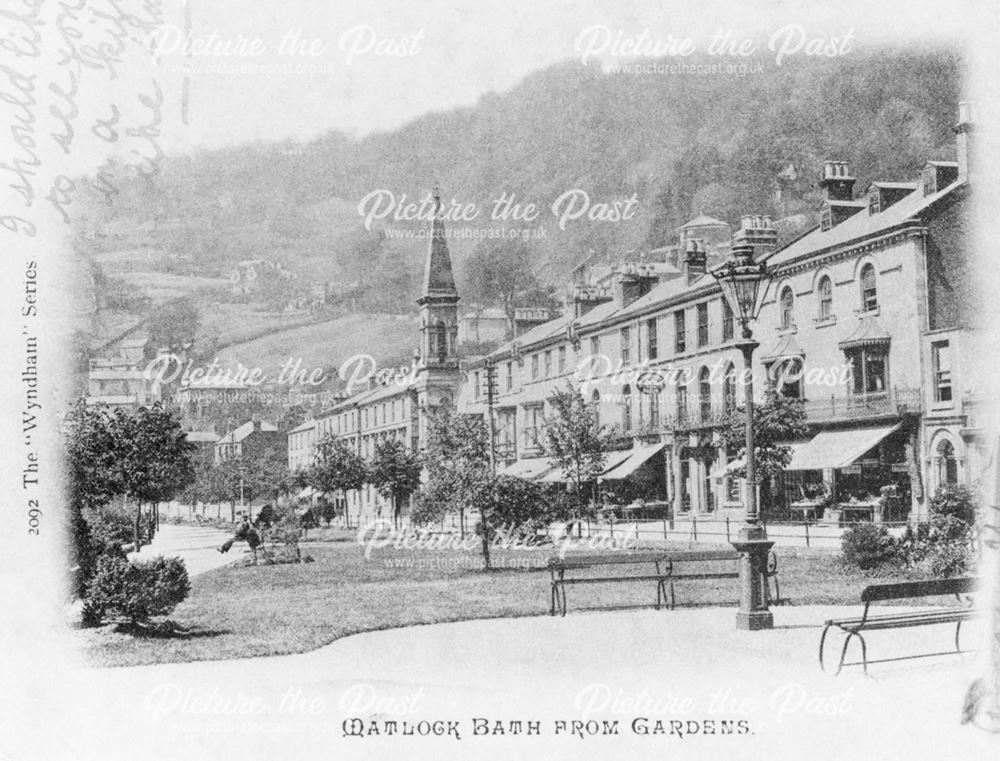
363	67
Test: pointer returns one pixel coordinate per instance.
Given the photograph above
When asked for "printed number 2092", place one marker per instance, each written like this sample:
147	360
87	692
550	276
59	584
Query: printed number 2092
34	517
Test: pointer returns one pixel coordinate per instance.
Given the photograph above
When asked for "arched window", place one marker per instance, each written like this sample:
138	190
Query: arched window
441	332
729	388
947	464
825	297
595	405
787	302
627	408
869	296
654	407
704	394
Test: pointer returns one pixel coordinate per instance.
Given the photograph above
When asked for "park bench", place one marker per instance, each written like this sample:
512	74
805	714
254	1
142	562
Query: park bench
679	569
659	567
905	590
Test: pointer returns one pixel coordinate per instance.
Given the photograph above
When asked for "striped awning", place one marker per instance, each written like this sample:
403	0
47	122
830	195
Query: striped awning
869	333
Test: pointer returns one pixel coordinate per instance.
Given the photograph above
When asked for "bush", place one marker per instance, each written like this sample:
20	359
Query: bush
866	546
950	559
112	523
267	516
135	591
942	547
328	511
956	501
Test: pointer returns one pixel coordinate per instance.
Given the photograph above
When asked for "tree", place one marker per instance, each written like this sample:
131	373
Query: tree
143	456
153	457
574	441
174	325
91	456
458	462
501	268
517	507
336	467
395	472
777	421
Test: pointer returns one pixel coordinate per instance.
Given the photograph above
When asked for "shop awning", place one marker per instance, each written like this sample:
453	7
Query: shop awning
611	461
827	449
632	463
529	468
837	449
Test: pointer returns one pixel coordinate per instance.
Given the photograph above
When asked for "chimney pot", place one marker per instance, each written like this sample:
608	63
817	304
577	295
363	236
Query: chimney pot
963	139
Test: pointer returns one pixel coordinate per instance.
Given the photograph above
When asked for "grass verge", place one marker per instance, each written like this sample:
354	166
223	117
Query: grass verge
238	612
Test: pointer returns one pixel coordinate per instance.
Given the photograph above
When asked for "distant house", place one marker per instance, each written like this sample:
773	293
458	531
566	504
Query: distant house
255	437
204	442
302	445
251	275
483	326
117	377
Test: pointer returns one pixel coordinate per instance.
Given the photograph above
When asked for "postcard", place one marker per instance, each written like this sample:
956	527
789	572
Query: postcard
492	380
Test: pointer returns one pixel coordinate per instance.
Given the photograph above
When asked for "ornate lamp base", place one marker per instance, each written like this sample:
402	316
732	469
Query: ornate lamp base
753	614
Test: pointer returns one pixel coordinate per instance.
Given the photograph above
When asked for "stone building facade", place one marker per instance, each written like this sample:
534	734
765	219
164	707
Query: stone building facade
867	319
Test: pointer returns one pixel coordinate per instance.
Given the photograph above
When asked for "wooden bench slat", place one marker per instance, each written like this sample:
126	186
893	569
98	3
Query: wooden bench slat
696	556
904	590
603	579
720	575
583	561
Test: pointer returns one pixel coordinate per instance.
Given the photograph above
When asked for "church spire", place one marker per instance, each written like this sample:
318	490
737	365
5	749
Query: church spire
439	280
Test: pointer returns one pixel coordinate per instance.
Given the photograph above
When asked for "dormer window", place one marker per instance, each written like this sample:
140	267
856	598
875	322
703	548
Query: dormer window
825	219
930	180
874	203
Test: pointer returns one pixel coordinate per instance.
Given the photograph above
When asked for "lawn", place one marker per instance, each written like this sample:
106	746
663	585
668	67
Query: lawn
243	611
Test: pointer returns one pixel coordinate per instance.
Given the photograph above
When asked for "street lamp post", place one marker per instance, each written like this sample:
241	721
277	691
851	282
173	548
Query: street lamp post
745	283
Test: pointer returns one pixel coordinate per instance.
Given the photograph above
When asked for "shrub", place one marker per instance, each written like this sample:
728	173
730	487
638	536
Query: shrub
328	511
950	559
956	501
942	547
267	516
866	546
288	530
308	519
135	591
112	523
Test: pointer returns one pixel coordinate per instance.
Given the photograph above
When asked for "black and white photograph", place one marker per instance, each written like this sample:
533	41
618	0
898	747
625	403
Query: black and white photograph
455	379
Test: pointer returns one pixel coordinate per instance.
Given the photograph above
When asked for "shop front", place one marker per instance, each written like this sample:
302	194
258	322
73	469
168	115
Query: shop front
840	477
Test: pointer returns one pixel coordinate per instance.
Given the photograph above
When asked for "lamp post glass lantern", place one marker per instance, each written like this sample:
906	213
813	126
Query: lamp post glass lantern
745	284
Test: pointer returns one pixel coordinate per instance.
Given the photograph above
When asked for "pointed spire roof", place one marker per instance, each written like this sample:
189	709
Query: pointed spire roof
439	280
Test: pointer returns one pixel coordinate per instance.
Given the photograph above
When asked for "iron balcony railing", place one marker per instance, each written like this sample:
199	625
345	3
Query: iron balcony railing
893	403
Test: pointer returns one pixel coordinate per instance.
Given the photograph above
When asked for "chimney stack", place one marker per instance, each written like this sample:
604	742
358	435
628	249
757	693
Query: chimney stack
963	138
695	259
836	183
586	297
757	231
